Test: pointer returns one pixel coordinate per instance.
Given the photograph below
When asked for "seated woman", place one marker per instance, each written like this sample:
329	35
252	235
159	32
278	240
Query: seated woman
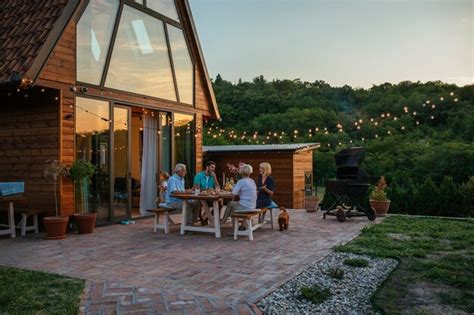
266	186
246	190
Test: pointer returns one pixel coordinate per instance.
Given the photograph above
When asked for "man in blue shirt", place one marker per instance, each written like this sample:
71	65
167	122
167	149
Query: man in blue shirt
207	179
176	183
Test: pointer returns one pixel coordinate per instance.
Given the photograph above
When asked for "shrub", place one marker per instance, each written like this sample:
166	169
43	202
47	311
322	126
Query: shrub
315	294
357	262
379	194
336	273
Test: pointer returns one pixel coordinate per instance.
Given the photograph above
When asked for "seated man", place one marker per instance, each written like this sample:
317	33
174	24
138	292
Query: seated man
176	183
207	179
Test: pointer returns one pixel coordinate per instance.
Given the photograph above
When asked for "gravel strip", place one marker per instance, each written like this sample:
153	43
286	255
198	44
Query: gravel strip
350	295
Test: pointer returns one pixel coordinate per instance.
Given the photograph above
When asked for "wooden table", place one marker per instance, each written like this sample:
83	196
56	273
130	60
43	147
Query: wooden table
11	214
214	220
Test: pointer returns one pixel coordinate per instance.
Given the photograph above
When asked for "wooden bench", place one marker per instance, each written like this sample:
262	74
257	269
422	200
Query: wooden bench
246	218
25	213
163	212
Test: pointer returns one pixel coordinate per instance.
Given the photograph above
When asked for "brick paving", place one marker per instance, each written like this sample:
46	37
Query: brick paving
131	270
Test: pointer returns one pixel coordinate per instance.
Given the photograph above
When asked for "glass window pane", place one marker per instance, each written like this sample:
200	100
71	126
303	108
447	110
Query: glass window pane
140	61
165	143
183	65
94	31
165	7
184	143
92	144
120	153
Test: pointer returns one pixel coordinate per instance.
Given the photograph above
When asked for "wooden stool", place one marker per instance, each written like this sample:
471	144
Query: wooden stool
246	218
270	207
162	211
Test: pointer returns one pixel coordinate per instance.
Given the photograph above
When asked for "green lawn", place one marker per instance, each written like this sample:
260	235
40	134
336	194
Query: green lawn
436	271
33	292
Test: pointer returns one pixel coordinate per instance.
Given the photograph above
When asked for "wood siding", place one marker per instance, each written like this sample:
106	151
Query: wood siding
302	162
29	136
60	73
287	171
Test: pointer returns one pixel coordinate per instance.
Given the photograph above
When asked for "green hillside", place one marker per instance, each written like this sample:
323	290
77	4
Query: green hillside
418	135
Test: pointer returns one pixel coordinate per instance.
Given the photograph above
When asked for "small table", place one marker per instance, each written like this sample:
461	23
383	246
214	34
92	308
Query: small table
11	214
215	220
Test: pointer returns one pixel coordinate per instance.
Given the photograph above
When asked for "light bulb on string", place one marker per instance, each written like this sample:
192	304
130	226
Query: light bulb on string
360	121
451	93
433	106
455	99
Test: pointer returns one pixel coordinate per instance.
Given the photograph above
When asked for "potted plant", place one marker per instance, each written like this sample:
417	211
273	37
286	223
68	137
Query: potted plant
378	198
55	225
311	203
81	171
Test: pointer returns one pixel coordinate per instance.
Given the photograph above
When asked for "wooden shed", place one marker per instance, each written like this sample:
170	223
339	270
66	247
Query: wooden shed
122	84
292	166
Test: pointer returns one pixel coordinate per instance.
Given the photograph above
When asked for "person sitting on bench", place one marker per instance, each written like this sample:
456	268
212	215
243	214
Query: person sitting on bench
246	190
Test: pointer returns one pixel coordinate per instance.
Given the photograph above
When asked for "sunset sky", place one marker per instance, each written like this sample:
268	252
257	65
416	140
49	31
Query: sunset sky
354	42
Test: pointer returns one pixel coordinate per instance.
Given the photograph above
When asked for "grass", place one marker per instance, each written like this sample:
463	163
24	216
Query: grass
33	292
315	294
433	251
356	262
336	273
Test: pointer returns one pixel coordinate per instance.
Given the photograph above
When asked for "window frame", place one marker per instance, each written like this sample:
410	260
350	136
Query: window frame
163	19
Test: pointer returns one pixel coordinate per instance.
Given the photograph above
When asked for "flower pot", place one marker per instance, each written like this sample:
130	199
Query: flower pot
380	207
85	222
55	227
311	203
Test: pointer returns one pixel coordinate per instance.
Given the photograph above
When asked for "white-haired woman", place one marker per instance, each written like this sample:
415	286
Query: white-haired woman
247	192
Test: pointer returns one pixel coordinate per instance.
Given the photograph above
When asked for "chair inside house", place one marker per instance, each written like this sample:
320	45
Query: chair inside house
120	188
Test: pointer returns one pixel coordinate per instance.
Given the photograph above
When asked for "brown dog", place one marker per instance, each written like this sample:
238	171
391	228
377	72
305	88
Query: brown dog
283	219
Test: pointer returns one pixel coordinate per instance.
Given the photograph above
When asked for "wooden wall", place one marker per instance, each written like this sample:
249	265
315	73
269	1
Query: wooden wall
302	162
287	171
29	136
60	73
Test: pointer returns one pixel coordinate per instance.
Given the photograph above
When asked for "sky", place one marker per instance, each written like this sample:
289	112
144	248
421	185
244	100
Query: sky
355	42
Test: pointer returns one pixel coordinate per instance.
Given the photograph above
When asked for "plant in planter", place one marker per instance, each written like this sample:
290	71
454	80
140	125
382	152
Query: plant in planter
311	203
378	198
81	171
55	225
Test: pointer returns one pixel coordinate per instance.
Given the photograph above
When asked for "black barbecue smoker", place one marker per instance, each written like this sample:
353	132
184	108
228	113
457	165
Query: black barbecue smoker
350	187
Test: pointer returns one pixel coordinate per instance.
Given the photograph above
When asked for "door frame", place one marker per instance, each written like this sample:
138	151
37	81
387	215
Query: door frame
128	215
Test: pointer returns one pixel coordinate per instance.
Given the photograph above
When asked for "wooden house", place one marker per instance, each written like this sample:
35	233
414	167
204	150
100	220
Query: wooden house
292	167
120	83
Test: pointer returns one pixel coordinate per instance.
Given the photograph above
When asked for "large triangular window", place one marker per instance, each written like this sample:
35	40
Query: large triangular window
149	56
94	31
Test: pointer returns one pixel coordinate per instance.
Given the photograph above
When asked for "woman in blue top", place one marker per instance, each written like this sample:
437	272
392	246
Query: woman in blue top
265	185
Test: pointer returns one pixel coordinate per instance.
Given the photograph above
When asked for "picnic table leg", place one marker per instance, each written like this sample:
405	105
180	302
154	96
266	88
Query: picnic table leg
183	219
217	218
11	219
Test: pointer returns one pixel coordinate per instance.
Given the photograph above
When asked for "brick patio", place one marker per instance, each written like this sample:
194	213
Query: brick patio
131	270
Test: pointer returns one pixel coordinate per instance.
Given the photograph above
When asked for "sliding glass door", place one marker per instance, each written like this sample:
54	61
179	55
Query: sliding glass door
92	144
121	164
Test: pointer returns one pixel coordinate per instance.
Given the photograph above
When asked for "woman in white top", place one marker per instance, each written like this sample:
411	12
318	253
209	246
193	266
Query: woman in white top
246	190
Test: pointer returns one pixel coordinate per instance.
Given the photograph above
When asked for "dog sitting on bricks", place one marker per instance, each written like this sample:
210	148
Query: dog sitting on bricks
283	219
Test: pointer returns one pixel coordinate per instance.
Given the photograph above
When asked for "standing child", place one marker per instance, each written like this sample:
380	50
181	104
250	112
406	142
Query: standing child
164	176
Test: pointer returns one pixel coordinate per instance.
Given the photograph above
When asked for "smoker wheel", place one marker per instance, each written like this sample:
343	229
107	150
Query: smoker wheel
341	215
371	216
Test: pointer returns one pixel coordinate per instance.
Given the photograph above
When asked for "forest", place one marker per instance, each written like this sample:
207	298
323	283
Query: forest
418	135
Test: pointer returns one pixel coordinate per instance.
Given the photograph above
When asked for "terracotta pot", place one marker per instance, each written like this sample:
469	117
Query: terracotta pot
380	207
311	203
55	227
85	222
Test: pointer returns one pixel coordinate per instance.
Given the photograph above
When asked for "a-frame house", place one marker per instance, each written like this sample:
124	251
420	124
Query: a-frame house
120	83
